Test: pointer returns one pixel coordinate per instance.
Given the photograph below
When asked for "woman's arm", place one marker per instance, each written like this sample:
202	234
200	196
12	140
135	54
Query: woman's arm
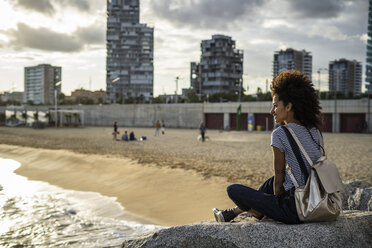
279	171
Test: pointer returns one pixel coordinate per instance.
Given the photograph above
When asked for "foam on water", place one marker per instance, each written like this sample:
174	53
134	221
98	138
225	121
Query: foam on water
34	213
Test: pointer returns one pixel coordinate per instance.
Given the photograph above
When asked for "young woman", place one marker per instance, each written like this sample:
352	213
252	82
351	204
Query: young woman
295	104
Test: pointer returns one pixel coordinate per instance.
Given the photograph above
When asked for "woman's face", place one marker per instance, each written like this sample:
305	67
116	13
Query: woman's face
279	111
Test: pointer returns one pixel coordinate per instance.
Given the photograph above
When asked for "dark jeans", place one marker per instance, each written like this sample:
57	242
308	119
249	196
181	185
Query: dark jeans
280	208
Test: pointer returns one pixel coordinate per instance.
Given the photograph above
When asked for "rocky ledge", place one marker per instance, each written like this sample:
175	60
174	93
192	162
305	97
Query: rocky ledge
352	229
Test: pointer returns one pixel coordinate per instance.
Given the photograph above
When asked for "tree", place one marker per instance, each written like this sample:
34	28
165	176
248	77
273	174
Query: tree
24	116
193	97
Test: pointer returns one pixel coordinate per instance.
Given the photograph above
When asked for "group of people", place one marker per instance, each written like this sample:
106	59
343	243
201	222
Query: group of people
125	136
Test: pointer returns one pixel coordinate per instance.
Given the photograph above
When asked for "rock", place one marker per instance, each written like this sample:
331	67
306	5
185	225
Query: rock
357	196
352	229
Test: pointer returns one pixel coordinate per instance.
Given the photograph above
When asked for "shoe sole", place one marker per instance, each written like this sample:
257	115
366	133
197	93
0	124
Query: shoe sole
218	215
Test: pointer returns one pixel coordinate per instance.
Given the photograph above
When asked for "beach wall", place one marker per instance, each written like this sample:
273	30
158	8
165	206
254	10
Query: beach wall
190	115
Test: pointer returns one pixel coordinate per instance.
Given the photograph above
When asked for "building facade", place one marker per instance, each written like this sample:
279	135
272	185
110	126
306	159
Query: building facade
82	94
345	76
220	68
369	52
14	96
40	83
129	64
291	59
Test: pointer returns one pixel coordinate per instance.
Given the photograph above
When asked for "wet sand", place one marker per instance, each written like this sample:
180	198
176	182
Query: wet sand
169	180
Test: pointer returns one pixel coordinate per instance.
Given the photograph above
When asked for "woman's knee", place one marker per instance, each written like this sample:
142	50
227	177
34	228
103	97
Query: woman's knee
233	190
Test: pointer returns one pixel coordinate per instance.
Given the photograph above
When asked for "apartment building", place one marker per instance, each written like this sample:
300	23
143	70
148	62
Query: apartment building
291	59
345	76
220	68
130	46
40	83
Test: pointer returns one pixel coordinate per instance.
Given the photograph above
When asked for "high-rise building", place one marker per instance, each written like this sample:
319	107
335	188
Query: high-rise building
369	52
40	83
129	44
291	59
220	68
345	76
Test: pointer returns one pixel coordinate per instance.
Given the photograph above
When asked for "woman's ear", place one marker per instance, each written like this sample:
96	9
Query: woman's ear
288	108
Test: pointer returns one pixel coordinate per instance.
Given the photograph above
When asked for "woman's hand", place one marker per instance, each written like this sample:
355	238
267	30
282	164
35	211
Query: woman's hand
265	218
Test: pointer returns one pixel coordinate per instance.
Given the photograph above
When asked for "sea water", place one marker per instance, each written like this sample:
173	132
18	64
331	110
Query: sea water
37	214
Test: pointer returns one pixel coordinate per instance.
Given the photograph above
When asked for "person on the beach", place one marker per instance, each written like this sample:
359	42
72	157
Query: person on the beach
125	136
296	104
157	127
162	127
131	136
202	131
116	132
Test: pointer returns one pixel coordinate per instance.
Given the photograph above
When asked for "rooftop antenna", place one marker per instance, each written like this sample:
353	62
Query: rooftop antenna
90	83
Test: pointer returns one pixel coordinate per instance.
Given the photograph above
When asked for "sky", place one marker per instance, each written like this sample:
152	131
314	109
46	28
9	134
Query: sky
71	34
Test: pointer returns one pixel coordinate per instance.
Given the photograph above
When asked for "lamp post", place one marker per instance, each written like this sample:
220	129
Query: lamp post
114	81
176	92
56	100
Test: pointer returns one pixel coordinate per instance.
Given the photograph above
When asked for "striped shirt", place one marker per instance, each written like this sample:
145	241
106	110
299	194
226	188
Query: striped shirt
279	139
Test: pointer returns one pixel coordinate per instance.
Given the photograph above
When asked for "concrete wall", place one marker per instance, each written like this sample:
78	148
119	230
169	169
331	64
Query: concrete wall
188	115
143	115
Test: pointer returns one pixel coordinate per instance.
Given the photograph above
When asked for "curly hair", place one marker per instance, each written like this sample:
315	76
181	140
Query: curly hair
296	88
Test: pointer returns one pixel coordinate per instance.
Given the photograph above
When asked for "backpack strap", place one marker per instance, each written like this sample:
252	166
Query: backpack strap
289	170
296	151
321	144
300	146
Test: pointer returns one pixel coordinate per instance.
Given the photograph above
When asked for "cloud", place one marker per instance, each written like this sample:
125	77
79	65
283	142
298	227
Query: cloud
48	7
48	40
42	6
203	14
328	32
316	9
82	5
364	38
94	34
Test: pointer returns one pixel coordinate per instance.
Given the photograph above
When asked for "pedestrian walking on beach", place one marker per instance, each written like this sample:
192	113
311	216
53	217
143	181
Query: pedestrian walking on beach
295	103
116	132
202	131
162	127
157	128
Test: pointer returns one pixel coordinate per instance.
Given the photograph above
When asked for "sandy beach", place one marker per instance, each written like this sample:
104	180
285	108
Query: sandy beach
168	180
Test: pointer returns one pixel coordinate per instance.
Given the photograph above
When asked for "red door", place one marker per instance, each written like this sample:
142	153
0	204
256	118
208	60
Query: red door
352	123
327	123
262	120
243	121
214	121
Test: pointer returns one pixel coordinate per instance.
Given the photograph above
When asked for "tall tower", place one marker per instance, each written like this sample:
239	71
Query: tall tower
345	76
369	52
40	83
220	68
129	44
291	59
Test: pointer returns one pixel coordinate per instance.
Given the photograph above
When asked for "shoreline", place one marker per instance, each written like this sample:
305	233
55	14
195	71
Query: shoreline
169	197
